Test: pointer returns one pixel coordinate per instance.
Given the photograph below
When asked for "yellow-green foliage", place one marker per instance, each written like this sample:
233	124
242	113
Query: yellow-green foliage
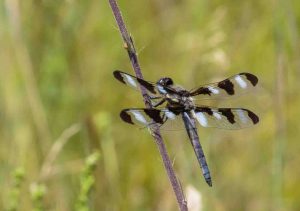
59	102
14	199
87	181
38	192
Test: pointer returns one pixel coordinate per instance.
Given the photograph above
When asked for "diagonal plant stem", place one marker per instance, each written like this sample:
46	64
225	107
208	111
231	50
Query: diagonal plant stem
55	150
155	132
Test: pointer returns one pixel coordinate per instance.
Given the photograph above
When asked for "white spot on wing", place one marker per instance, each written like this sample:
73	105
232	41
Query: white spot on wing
138	116
240	81
242	116
217	115
201	119
130	80
213	90
170	115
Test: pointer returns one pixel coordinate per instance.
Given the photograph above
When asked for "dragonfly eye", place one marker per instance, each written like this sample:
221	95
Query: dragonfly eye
165	81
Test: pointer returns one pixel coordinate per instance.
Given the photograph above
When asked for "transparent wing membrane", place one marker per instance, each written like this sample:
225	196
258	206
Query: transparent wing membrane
135	82
143	117
234	85
225	118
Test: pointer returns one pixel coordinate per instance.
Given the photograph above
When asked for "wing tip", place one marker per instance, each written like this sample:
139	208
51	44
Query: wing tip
253	117
126	117
250	77
117	74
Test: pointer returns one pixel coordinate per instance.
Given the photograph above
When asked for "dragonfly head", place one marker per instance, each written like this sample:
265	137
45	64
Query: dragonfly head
165	81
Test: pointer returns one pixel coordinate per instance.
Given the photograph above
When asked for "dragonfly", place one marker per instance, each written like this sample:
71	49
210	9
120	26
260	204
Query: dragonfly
180	106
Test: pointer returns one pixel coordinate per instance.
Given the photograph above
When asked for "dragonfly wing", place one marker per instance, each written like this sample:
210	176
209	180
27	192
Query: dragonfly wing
144	117
135	82
234	85
225	118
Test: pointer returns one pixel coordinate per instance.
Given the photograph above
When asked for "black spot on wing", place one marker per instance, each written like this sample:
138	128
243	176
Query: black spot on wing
147	85
252	116
126	117
250	77
227	85
228	114
201	91
205	109
154	114
118	76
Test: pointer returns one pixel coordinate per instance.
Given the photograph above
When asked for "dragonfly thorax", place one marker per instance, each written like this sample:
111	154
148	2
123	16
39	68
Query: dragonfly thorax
175	95
175	100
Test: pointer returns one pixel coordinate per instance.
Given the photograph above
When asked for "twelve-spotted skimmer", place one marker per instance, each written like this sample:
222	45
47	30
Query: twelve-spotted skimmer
180	106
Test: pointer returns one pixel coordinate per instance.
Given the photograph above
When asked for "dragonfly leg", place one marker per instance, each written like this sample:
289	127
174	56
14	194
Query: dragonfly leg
158	103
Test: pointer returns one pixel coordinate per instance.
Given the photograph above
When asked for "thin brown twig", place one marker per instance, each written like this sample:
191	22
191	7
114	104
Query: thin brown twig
155	132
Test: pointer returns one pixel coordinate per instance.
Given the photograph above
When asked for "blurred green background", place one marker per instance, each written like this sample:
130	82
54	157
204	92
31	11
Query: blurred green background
59	103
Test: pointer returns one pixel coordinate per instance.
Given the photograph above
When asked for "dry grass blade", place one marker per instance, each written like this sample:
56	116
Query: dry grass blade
56	148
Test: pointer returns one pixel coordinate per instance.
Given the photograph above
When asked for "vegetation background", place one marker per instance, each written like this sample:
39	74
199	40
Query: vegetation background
59	103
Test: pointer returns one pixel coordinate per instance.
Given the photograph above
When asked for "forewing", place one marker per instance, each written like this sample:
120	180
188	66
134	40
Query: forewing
235	85
225	118
144	117
134	82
